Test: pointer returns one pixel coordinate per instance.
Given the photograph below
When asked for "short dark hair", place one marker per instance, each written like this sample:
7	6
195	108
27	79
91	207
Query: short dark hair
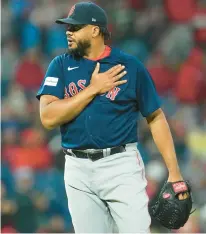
105	33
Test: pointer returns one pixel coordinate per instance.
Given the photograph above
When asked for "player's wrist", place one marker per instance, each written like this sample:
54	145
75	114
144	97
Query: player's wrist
93	89
175	176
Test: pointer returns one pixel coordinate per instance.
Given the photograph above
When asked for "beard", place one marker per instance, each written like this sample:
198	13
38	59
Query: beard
81	50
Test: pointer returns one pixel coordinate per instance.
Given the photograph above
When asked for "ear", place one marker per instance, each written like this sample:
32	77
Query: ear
95	31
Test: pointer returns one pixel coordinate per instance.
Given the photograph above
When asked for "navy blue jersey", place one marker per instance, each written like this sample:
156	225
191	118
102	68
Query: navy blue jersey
110	119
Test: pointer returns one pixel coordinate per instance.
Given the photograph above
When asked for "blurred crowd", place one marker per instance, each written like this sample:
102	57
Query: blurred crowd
168	36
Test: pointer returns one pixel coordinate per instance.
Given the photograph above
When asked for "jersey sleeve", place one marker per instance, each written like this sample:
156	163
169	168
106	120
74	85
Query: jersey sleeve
147	97
53	81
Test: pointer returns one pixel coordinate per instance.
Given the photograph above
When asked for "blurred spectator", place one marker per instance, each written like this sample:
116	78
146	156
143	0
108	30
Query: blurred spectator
8	210
9	60
24	179
138	5
32	151
51	184
9	143
56	41
6	34
8	229
150	29
176	44
56	225
135	48
7	180
29	72
41	204
50	8
8	118
180	11
191	83
17	100
164	78
123	18
20	10
30	36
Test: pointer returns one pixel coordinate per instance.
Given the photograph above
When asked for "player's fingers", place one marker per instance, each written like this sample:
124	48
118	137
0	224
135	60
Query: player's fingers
182	196
117	71
120	83
111	70
186	195
96	70
120	76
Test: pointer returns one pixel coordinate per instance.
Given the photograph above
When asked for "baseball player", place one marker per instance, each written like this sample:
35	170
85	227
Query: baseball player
96	93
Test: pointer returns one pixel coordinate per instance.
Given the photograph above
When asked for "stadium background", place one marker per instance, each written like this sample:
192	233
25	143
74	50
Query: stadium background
168	36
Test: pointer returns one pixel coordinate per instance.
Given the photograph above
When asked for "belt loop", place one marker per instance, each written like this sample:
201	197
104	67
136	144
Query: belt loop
88	156
104	151
125	149
71	153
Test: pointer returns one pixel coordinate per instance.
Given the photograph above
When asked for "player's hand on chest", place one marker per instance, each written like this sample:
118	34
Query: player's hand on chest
79	76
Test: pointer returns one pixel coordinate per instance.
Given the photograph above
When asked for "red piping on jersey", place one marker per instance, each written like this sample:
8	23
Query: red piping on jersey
106	53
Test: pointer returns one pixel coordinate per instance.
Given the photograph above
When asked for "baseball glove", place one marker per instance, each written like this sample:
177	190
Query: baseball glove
171	212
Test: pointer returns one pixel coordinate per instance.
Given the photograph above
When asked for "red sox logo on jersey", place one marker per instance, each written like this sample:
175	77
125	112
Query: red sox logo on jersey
74	89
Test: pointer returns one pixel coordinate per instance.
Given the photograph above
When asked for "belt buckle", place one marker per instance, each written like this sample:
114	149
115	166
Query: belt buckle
89	156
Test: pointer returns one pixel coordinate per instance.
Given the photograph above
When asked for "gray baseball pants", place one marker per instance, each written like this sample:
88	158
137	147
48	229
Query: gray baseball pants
108	195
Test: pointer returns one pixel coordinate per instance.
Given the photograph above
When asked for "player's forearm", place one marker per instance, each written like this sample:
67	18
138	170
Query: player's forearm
163	139
63	111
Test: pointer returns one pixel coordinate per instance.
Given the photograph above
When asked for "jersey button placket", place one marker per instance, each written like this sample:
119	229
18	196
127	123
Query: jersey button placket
88	119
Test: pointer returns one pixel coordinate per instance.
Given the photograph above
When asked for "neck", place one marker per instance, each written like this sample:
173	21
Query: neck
95	51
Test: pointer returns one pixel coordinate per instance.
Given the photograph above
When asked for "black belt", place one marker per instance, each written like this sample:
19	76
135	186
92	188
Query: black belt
95	155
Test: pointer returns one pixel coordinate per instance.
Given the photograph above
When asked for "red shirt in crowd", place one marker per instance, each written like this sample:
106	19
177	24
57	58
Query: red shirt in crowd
163	78
191	80
180	10
29	75
32	152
